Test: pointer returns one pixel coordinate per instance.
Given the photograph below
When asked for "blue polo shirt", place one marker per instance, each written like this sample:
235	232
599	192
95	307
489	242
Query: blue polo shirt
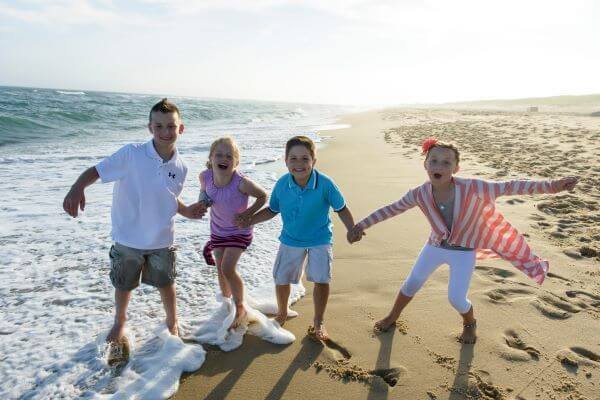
305	211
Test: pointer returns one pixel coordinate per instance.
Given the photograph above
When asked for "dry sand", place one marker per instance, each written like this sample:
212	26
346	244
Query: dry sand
534	342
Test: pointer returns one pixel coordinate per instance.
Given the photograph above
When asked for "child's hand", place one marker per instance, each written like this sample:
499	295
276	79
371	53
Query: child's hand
355	234
567	183
243	219
74	200
194	211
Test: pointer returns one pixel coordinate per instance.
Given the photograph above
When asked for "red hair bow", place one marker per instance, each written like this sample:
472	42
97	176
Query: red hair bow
428	144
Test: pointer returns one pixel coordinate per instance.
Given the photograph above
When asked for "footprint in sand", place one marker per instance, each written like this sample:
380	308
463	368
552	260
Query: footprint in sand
501	295
335	350
515	201
554	306
585	300
556	276
516	349
337	365
575	356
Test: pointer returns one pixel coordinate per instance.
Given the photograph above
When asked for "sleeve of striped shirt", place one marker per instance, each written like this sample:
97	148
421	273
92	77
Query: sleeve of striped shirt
391	210
516	187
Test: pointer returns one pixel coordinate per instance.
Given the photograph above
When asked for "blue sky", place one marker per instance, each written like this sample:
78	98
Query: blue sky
345	52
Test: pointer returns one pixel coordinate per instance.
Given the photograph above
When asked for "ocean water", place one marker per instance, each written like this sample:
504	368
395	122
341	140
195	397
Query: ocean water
56	300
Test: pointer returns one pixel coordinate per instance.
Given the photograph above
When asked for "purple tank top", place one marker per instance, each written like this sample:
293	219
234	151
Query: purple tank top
227	201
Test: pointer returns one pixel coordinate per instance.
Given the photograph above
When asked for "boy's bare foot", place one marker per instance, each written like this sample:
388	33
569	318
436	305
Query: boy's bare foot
384	324
280	319
469	335
118	351
320	331
117	332
240	316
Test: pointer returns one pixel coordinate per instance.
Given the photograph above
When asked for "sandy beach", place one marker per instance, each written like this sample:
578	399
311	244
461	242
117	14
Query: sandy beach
533	342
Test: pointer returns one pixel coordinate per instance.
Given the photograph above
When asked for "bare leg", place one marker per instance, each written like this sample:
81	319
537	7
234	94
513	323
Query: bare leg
283	296
469	335
231	256
320	297
169	297
122	298
223	284
385	323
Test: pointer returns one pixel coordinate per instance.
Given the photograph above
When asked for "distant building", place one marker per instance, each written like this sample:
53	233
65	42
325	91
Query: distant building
533	109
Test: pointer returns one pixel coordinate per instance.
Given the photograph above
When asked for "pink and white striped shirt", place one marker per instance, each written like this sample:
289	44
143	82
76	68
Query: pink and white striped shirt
477	224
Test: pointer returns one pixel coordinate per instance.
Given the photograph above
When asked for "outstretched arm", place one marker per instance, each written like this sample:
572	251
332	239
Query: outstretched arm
193	211
523	187
391	210
263	215
75	199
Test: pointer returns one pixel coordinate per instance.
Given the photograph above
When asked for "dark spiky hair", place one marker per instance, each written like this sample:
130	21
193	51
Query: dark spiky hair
164	106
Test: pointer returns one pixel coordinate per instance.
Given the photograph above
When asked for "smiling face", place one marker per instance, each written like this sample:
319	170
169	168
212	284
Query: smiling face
441	164
165	128
223	159
300	163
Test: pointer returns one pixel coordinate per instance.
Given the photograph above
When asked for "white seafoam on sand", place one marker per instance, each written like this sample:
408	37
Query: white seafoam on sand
56	298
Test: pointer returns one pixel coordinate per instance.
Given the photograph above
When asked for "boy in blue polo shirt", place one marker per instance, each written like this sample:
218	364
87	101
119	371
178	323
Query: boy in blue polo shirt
303	198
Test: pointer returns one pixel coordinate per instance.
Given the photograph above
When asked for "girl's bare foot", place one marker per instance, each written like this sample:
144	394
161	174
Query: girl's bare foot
173	328
384	324
320	331
281	318
469	335
240	316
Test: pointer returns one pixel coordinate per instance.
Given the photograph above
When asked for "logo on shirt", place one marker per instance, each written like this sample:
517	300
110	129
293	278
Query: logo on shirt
171	175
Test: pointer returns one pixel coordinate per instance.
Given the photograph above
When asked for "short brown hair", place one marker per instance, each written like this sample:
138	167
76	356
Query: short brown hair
301	141
444	145
164	106
228	140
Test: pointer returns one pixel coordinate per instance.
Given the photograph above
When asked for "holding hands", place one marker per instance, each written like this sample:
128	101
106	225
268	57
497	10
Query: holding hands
244	219
355	234
567	183
193	211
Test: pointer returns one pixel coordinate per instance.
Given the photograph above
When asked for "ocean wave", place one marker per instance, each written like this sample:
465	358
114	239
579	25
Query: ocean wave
267	161
69	92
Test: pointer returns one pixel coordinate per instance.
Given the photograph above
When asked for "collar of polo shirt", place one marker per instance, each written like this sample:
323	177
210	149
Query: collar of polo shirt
311	184
152	153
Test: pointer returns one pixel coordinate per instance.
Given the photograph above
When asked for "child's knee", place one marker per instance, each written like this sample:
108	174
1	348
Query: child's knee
460	303
228	271
411	286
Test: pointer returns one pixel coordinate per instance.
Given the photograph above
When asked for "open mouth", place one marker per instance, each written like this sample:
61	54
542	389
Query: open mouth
437	175
222	166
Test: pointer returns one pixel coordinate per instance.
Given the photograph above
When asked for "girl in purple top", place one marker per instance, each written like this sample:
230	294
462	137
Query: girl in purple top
227	191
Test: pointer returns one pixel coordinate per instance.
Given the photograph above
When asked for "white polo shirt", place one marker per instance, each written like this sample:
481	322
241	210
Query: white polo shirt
144	195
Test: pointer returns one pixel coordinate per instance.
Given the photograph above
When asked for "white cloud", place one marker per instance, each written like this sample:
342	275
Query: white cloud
72	12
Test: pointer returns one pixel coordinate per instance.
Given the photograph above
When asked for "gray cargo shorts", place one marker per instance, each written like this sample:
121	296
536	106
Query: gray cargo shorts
156	267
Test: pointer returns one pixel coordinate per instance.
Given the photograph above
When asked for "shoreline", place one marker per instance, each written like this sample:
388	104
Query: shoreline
514	356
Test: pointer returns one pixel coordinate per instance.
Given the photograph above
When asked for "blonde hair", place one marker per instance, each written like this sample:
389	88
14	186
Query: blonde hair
226	140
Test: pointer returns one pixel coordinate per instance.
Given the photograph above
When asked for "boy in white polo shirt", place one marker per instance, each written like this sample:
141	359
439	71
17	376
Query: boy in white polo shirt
148	178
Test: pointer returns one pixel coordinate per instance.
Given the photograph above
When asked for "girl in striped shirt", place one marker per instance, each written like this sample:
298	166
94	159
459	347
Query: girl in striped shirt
227	191
465	226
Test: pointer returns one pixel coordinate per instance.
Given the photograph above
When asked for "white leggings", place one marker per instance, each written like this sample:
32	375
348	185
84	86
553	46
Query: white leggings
462	264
